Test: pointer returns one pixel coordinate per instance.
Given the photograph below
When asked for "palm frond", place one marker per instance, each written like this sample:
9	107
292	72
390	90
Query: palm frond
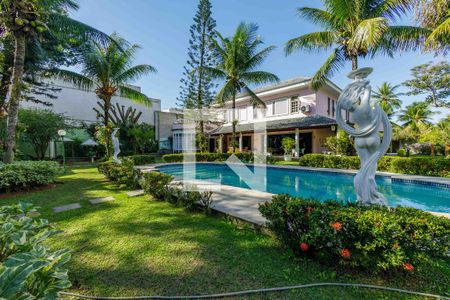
402	38
368	33
318	16
315	41
133	95
226	93
439	39
133	73
390	9
259	77
259	57
80	81
214	72
254	99
333	63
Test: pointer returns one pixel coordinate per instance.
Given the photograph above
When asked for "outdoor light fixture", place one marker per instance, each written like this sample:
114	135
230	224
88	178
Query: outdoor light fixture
62	133
333	128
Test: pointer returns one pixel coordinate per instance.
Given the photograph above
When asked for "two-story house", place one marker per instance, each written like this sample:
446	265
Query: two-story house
293	109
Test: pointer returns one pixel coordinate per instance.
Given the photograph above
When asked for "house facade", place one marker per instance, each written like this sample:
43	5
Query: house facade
293	109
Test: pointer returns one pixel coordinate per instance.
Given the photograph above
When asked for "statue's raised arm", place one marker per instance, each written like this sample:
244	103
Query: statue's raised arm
367	117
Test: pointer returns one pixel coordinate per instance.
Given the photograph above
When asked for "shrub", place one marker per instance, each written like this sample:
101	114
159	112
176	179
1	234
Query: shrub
341	144
124	173
428	166
218	157
24	175
373	238
155	184
401	152
29	270
142	159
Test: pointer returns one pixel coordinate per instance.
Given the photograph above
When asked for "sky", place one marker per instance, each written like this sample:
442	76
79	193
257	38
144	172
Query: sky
161	28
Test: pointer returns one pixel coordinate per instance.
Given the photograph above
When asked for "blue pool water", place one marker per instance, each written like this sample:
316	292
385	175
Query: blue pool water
321	185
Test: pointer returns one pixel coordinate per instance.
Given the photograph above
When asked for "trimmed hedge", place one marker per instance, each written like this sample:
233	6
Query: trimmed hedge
217	157
123	173
369	237
142	159
25	175
428	166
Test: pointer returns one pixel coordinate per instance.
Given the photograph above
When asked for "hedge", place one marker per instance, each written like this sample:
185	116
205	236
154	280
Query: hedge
205	157
369	237
25	175
428	166
142	159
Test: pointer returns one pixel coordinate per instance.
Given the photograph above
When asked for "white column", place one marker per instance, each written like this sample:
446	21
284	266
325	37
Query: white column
220	143
297	142
240	141
265	143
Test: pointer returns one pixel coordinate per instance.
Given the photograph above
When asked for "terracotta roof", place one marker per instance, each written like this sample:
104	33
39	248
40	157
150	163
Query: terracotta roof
301	123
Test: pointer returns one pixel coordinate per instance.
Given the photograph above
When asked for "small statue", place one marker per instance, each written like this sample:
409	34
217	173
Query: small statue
367	116
116	145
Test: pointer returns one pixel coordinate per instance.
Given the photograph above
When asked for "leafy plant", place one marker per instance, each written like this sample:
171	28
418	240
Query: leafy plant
156	184
341	144
370	237
124	173
39	127
288	144
29	270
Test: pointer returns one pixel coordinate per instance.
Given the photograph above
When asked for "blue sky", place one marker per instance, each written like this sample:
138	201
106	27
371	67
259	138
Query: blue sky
161	27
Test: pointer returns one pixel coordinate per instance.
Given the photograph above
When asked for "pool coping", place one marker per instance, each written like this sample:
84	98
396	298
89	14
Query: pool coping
236	191
418	179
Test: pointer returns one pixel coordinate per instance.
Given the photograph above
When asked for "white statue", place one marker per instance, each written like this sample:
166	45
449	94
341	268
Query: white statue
367	117
116	145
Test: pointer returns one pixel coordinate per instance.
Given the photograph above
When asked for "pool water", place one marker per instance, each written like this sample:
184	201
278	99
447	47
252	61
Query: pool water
319	185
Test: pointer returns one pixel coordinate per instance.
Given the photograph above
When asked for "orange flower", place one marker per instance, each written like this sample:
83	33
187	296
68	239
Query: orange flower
345	253
336	226
304	247
408	267
309	210
395	246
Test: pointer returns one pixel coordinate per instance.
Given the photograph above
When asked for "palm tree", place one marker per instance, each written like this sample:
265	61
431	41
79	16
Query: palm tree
416	116
238	58
108	69
387	98
26	20
354	29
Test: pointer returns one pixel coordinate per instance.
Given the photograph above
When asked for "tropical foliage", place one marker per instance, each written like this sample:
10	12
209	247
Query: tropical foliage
433	81
238	59
416	116
355	29
387	98
108	70
26	21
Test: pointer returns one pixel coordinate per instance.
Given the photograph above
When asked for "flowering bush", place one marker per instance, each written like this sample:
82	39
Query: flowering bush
374	238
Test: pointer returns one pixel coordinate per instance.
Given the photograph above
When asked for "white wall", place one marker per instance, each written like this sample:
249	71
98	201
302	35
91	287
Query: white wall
78	105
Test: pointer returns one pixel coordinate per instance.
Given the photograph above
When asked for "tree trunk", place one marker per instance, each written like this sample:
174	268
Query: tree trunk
354	62
106	115
233	135
14	97
433	151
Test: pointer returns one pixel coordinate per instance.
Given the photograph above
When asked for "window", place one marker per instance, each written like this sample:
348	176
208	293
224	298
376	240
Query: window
334	108
243	114
295	105
280	107
329	106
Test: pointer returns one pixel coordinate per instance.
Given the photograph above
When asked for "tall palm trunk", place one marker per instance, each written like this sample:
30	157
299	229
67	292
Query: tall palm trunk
354	62
107	106
233	134
14	97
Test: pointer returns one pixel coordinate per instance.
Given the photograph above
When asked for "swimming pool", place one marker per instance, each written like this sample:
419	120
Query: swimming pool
320	185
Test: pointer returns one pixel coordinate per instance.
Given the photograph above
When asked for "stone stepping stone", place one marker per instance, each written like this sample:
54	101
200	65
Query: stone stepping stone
66	207
135	193
102	200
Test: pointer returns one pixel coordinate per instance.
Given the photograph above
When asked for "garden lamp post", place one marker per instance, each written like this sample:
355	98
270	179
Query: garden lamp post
62	133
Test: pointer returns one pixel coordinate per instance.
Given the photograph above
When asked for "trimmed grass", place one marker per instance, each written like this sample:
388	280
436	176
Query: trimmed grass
137	246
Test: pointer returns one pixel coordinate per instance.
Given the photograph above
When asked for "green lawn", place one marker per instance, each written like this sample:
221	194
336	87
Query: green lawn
136	246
